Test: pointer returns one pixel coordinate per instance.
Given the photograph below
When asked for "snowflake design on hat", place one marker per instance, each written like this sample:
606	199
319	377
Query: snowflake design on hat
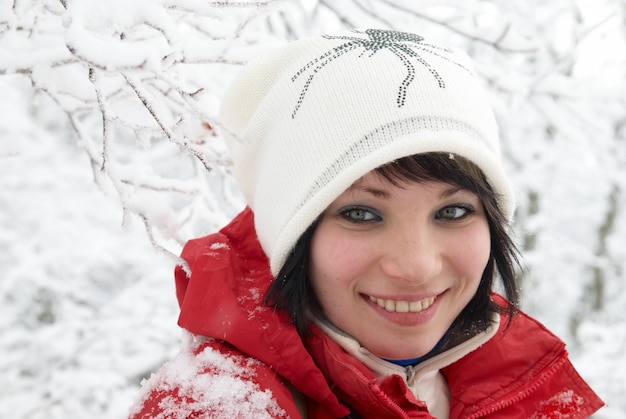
403	45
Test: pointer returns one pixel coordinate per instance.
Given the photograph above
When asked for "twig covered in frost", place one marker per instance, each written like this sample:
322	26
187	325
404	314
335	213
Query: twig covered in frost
174	257
570	56
105	118
188	101
182	142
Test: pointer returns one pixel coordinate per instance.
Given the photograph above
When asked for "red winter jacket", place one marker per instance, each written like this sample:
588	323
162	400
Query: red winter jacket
254	364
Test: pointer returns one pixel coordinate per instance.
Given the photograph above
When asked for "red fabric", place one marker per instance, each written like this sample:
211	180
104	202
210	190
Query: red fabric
230	274
359	388
262	375
522	372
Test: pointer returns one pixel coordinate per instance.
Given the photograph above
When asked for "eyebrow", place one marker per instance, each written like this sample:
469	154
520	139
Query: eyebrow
378	193
358	186
382	194
452	190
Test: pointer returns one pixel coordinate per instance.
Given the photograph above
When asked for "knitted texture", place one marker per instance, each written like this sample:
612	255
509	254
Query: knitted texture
305	121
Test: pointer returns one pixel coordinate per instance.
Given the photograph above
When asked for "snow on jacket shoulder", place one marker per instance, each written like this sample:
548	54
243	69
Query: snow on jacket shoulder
251	352
208	379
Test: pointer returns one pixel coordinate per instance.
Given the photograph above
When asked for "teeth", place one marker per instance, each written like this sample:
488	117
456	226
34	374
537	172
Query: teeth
394	306
401	307
418	305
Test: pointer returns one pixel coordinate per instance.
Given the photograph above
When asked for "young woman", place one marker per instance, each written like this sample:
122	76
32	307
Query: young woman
359	280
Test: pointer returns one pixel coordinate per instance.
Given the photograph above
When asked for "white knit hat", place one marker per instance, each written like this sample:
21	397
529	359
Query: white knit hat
313	116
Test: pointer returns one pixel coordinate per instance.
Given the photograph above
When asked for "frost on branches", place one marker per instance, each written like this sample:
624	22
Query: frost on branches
139	82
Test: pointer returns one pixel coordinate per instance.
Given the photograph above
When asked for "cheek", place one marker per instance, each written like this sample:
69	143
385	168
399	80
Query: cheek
323	266
327	253
335	260
475	252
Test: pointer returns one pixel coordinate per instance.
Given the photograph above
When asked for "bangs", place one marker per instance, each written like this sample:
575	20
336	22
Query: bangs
443	167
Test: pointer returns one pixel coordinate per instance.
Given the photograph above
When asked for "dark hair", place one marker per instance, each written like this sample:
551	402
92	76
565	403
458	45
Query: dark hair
292	290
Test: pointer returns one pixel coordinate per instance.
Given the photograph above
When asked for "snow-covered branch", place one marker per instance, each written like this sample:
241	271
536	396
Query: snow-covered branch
135	76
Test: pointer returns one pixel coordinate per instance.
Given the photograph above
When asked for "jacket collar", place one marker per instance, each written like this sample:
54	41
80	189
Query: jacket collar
424	380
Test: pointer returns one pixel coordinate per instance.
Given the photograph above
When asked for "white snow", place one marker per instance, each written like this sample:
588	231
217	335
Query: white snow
206	380
567	400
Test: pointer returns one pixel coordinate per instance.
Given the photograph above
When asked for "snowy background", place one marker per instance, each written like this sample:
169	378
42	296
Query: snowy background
111	158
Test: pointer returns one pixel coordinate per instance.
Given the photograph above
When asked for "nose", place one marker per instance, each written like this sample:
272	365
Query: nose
413	255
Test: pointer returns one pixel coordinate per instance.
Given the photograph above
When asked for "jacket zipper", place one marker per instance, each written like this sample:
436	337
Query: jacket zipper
410	374
520	396
391	403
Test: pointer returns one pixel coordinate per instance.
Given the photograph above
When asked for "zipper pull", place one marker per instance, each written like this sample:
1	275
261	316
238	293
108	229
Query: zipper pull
410	374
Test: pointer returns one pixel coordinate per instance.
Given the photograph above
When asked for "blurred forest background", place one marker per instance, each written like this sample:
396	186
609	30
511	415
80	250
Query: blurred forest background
111	157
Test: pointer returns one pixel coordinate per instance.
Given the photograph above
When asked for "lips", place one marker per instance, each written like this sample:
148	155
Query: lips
399	306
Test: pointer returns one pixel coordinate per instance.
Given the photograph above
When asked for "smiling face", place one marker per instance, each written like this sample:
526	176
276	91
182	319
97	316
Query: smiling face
394	265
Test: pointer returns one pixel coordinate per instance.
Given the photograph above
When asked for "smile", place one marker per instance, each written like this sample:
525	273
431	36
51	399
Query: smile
395	306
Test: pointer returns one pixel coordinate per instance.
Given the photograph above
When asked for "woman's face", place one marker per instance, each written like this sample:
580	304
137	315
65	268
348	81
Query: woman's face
393	266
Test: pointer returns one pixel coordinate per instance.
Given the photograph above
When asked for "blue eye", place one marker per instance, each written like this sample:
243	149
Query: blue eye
454	212
358	214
